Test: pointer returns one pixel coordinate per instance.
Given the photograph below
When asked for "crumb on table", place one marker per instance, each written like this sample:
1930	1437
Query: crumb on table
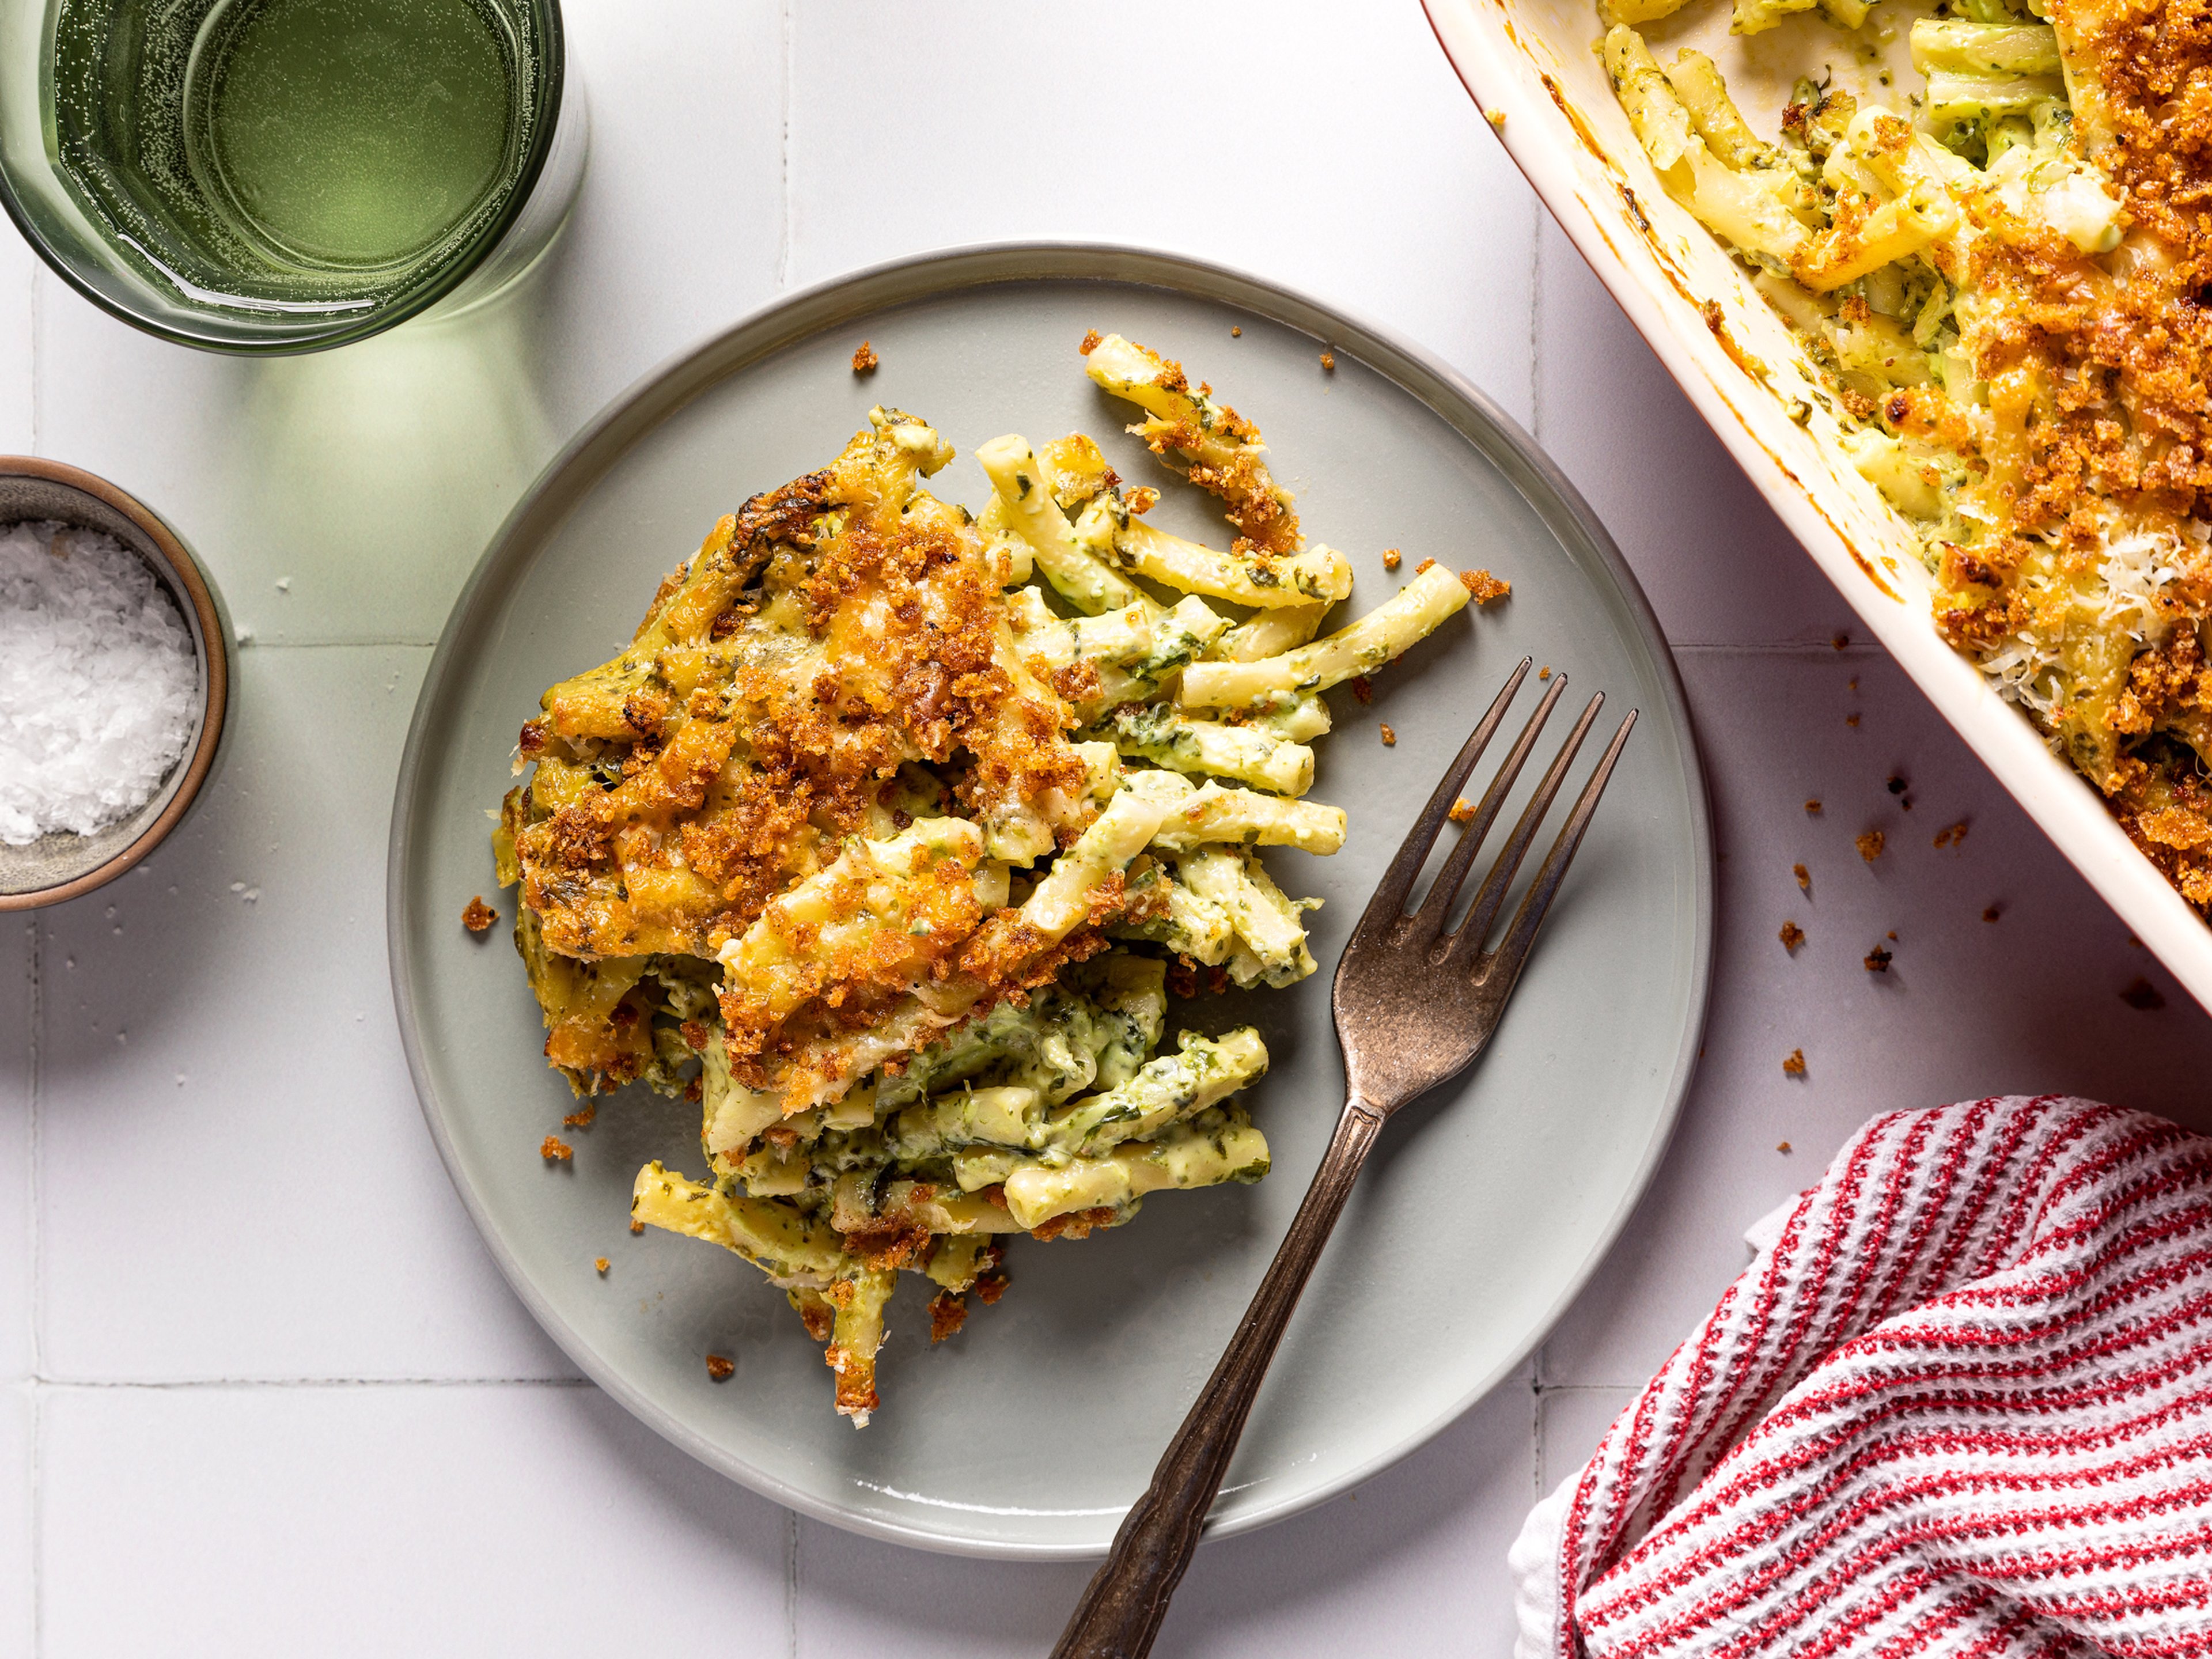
1878	960
1235	332
1362	687
1328	361
599	1266
1953	835
1389	738
1781	1145
478	915
1812	806
1992	913
637	1227
721	1369
864	359
1793	1063
1804	878
1483	586
2142	994
1791	936
1545	672
1870	845
1850	720
554	1150
582	1117
1391	557
1840	641
1896	785
1461	810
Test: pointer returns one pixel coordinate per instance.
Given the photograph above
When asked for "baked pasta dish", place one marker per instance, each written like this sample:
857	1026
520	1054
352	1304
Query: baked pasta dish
2000	266
893	829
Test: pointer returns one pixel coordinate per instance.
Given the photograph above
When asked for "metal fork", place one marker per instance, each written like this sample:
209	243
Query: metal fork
1415	1004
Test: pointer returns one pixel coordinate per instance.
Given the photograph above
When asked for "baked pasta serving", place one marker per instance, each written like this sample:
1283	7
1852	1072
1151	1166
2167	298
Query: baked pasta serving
2001	269
890	833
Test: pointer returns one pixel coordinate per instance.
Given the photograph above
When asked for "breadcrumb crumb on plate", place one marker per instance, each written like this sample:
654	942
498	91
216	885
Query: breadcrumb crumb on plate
1804	878
478	916
864	359
1791	936
1878	960
1390	737
1483	586
720	1368
1461	810
1870	845
554	1150
1793	1063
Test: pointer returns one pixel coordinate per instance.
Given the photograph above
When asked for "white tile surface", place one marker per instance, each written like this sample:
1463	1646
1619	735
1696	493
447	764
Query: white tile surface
16	1132
377	1520
234	1176
281	1213
1328	147
19	279
1717	565
1417	1553
2027	1004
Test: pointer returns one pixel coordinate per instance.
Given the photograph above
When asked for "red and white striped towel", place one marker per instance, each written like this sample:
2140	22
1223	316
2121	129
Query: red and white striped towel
1962	1406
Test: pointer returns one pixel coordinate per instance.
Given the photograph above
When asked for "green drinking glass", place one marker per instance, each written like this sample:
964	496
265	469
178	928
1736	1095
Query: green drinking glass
286	175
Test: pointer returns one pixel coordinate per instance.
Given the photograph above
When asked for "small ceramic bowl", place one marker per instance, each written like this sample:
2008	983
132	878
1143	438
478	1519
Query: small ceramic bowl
62	866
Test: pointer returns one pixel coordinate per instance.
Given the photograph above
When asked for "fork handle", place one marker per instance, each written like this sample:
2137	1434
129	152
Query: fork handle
1121	1607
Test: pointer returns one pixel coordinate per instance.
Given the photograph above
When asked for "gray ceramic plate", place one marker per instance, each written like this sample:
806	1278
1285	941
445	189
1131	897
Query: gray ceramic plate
1484	1210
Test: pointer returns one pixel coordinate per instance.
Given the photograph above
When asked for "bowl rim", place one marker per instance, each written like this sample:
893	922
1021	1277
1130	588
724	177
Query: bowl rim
215	664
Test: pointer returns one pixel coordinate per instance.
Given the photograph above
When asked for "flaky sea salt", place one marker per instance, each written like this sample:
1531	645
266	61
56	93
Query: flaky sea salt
97	681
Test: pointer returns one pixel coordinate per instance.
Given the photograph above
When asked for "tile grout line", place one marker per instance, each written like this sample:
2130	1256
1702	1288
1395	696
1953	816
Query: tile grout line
785	238
38	1296
791	1582
1535	320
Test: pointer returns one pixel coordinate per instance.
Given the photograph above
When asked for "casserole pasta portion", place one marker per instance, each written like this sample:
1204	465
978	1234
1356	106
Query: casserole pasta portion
2001	271
890	834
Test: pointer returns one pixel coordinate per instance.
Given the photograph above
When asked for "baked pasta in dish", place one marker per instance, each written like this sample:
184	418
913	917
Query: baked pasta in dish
889	833
2002	269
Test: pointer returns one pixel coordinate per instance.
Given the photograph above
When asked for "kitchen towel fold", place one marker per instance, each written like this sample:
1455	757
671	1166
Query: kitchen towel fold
1962	1406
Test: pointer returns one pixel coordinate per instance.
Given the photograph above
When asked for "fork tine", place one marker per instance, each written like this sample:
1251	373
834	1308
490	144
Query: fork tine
1388	903
1429	921
1490	896
1513	950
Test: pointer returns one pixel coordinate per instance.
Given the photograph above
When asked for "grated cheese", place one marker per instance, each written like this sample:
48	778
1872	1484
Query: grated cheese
98	680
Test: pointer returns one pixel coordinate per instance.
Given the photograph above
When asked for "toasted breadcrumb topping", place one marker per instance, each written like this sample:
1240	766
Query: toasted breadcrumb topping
720	1368
948	1312
1870	845
582	1117
1804	878
1878	960
1483	586
1391	558
477	915
1793	1063
554	1150
1390	737
1791	936
864	359
1461	810
600	1265
1952	836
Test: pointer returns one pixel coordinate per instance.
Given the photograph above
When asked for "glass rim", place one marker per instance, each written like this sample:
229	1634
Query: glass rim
449	274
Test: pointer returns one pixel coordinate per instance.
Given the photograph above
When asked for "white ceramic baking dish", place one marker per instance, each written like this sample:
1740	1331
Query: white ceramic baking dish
1530	67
